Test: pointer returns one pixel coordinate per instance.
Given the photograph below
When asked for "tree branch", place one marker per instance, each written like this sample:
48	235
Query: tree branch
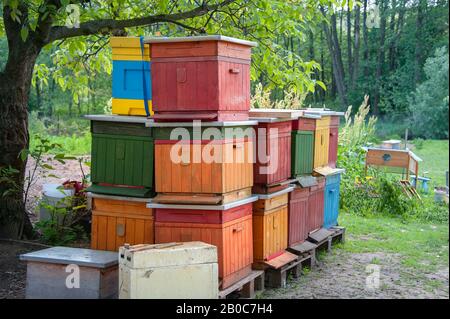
102	25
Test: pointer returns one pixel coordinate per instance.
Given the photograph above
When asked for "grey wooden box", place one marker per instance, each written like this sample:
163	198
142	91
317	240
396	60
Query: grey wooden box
71	273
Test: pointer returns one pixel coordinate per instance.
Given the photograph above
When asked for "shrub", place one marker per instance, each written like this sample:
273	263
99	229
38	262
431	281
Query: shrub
429	103
375	192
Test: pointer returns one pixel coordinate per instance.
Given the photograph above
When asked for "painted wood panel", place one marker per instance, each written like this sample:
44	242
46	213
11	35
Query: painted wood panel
333	149
274	140
229	174
298	216
200	49
115	222
234	241
202	216
316	206
331	202
302	153
201	85
270	233
122	160
321	145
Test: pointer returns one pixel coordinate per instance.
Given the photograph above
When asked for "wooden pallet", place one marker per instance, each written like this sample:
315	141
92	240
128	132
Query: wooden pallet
246	287
278	269
306	252
324	238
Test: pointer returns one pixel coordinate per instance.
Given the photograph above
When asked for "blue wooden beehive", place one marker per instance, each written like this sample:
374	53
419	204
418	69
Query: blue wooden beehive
128	80
131	77
332	190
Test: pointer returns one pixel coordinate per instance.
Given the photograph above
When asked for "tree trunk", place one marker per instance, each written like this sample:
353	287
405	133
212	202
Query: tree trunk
357	45
366	40
322	63
336	57
15	82
418	56
349	48
381	57
393	42
311	57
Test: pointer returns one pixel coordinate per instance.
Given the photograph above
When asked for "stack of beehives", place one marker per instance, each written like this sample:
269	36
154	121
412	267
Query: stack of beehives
204	184
123	153
313	201
159	175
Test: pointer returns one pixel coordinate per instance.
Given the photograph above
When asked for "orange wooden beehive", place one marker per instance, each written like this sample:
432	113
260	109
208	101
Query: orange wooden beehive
270	226
118	220
203	177
229	229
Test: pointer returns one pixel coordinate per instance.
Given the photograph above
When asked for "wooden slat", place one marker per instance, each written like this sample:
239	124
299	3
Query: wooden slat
281	260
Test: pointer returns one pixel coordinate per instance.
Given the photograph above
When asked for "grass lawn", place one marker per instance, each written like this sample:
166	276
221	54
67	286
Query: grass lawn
423	247
434	154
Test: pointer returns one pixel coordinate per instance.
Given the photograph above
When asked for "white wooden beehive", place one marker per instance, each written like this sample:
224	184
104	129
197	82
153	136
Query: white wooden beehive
168	271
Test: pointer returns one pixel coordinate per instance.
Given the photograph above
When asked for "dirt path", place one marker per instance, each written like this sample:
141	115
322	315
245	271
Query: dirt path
12	270
342	275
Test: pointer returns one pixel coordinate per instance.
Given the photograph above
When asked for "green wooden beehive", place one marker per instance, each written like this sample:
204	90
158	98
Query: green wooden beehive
302	153
122	157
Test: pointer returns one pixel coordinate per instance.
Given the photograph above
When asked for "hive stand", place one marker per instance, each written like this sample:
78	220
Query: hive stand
278	269
306	252
246	288
324	238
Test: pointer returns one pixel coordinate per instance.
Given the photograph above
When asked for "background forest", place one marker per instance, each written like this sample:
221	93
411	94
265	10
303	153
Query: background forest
395	51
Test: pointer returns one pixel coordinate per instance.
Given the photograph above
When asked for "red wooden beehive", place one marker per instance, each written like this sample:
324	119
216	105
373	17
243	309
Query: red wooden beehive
316	205
230	230
274	141
334	139
299	216
204	78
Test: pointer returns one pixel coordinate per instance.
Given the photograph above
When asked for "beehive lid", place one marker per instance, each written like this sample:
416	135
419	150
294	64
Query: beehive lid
118	118
328	171
200	38
270	119
114	197
307	181
76	256
120	191
275	113
227	206
167	255
279	193
201	124
323	112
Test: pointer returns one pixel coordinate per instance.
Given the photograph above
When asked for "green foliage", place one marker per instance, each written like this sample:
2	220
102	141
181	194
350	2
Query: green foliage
429	103
62	227
376	193
69	135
